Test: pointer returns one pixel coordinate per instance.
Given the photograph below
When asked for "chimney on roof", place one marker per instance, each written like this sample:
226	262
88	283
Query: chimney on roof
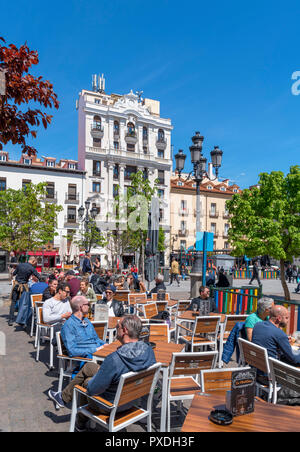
98	83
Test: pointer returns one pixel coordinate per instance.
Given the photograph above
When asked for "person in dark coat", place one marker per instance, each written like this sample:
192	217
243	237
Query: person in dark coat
204	304
222	279
116	308
255	274
87	266
159	285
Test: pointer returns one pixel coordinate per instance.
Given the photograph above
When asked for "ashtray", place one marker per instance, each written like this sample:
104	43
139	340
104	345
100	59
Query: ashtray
221	417
152	344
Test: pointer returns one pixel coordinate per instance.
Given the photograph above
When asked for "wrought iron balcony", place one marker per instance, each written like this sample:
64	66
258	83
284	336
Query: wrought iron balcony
161	144
214	214
97	130
72	198
131	137
183	232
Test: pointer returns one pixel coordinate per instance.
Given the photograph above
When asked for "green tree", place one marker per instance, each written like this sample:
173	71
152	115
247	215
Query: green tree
27	222
161	241
266	219
90	236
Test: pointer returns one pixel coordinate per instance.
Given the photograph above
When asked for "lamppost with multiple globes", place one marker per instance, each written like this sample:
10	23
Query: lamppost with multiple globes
199	172
85	214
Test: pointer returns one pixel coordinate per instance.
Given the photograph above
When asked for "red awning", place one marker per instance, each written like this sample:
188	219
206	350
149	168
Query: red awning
46	253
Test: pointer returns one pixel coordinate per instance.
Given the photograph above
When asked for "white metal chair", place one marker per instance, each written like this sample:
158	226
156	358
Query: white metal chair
132	386
218	380
283	374
204	333
225	330
183	382
66	364
159	332
257	357
101	329
47	328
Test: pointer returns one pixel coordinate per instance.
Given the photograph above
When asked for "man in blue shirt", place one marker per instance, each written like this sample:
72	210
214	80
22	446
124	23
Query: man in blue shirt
38	286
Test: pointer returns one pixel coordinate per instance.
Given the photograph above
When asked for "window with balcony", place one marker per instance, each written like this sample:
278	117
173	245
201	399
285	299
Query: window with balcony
161	215
96	168
71	216
25	183
50	190
145	149
96	187
116	145
183	244
213	228
145	134
226	229
128	171
97	142
72	192
161	177
161	193
161	135
116	128
213	208
130	147
183	226
131	129
161	154
116	171
2	183
96	123
115	191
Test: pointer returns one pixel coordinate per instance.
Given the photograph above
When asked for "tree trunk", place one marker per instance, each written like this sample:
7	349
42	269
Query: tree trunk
283	281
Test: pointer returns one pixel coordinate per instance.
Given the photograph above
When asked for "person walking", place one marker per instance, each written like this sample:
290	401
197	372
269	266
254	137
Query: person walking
174	271
255	274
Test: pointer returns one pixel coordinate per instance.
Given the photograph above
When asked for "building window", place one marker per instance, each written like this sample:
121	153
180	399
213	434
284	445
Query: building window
161	177
27	161
96	187
116	171
209	187
3	184
161	193
97	142
71	214
130	147
50	190
116	128
180	184
161	154
223	189
128	171
97	123
161	135
3	158
145	149
161	215
72	166
115	191
213	228
234	190
226	245
72	192
145	133
131	129
213	209
50	163
183	244
97	207
96	168
116	145
25	182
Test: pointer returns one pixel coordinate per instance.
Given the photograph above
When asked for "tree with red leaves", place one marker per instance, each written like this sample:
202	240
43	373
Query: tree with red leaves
21	88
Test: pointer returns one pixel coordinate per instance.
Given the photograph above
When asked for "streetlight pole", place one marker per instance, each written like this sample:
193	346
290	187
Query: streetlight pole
85	214
199	172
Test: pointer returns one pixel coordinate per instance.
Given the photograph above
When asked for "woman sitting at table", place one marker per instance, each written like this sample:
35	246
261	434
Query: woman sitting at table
116	308
135	284
87	291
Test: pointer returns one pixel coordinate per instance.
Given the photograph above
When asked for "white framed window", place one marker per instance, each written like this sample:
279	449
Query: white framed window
223	189
27	161
50	163
180	184
3	157
209	187
72	165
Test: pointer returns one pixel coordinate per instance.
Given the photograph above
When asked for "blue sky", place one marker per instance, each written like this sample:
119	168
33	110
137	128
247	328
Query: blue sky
222	68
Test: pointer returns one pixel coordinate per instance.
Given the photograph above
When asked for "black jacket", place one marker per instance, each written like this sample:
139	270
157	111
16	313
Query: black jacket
116	305
160	286
99	284
24	271
47	294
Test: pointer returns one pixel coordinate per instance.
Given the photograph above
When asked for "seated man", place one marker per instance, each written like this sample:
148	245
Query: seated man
263	311
78	334
38	286
132	356
73	282
204	304
116	308
50	290
57	309
159	285
269	334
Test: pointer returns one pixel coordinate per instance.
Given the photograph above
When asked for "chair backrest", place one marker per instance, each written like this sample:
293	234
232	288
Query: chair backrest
36	298
101	329
284	375
154	297
60	345
182	305
207	325
231	320
134	385
218	380
254	356
159	332
39	314
121	295
137	298
150	310
161	306
192	363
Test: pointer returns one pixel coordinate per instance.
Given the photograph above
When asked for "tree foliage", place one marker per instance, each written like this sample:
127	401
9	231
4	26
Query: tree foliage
266	219
27	222
22	88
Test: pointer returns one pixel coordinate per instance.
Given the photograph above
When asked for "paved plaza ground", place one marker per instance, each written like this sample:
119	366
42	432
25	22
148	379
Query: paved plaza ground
24	383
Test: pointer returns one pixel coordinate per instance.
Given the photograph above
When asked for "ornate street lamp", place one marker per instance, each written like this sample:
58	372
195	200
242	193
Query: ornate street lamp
199	172
85	214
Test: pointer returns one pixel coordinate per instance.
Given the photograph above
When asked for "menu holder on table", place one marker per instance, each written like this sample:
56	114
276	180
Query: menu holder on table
101	313
240	400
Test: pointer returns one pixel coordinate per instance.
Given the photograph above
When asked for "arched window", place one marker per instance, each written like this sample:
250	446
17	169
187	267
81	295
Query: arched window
145	133
97	122
116	127
161	135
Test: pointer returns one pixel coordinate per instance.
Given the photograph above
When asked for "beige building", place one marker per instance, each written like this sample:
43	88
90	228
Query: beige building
214	216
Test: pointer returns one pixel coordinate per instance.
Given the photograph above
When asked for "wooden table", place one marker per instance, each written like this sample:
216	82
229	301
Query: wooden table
190	316
266	417
163	354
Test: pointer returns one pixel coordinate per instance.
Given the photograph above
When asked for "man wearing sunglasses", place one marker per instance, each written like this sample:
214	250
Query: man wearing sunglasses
57	309
115	307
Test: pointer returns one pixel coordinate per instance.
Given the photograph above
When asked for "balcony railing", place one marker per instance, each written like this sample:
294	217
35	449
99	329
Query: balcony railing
51	197
216	234
161	144
226	215
97	130
183	233
183	211
70	221
225	234
131	137
214	214
72	198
